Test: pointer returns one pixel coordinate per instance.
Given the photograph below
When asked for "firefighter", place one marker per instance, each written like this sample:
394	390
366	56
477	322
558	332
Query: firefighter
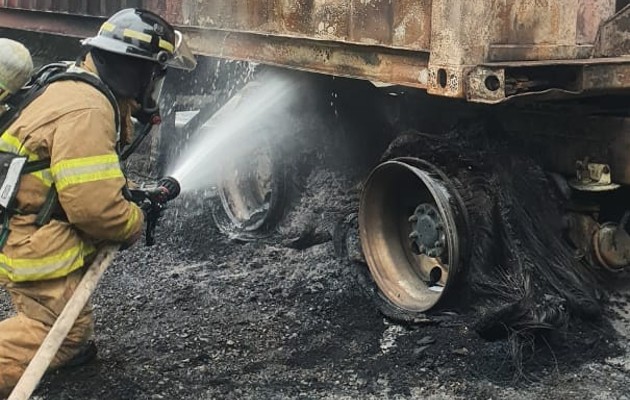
73	124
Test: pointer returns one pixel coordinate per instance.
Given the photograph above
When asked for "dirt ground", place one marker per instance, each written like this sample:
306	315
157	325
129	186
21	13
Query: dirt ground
200	317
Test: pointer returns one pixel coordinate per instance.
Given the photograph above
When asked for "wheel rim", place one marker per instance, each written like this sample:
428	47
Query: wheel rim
413	227
248	191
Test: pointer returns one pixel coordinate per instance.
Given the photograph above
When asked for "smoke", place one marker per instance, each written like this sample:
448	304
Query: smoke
258	115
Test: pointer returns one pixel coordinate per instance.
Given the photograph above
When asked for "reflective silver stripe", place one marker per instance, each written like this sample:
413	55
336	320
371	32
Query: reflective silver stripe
76	171
67	173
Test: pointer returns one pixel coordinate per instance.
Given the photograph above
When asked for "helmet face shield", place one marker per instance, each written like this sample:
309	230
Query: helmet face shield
182	57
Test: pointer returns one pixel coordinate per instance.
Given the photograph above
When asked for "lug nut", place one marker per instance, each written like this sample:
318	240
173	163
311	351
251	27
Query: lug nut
413	235
413	218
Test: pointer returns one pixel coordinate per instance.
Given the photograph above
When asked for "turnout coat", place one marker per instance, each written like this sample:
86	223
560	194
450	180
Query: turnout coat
73	124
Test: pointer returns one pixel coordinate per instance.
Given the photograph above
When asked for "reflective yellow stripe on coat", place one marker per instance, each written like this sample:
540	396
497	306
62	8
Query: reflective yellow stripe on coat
131	223
55	266
11	144
88	169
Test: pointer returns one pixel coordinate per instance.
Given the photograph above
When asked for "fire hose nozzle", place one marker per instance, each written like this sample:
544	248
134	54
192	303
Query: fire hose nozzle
170	188
167	189
153	202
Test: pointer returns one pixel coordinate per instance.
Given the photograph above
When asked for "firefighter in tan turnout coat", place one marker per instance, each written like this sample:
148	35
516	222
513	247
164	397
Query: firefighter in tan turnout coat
74	124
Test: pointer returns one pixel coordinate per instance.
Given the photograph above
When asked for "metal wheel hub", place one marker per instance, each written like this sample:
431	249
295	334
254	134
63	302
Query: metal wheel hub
413	229
427	231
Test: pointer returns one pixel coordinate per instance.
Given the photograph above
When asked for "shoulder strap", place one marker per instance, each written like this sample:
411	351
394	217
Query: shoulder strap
45	76
34	166
20	100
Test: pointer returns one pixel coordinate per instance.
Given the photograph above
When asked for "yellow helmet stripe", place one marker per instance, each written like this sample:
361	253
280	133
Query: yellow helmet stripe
144	37
166	45
108	26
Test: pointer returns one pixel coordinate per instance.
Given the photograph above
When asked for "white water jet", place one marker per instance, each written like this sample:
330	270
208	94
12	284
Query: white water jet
233	132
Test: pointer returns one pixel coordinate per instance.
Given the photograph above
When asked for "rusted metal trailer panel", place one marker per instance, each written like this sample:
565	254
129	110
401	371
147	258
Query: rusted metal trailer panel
482	50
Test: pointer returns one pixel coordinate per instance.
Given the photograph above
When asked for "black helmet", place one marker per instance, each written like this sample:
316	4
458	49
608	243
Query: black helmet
132	51
143	34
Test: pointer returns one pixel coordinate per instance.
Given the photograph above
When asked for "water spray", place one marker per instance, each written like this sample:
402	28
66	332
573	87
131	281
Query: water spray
153	201
249	119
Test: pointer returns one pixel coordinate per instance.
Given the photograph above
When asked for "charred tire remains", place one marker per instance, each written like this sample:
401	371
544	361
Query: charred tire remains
252	195
413	232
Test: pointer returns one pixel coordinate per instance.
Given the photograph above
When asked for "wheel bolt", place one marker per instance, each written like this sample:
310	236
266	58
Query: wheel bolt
413	218
413	235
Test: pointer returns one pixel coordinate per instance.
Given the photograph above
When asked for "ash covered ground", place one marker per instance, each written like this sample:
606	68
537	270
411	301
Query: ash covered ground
201	317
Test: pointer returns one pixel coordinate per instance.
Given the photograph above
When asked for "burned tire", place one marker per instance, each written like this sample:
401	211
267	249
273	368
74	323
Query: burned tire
252	196
347	245
267	182
413	228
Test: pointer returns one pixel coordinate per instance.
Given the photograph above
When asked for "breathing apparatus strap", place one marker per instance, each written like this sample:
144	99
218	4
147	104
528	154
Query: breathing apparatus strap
18	101
34	166
45	76
4	230
7	210
51	203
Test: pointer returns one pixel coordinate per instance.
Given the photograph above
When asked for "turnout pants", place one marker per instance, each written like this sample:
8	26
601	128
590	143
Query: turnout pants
38	304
